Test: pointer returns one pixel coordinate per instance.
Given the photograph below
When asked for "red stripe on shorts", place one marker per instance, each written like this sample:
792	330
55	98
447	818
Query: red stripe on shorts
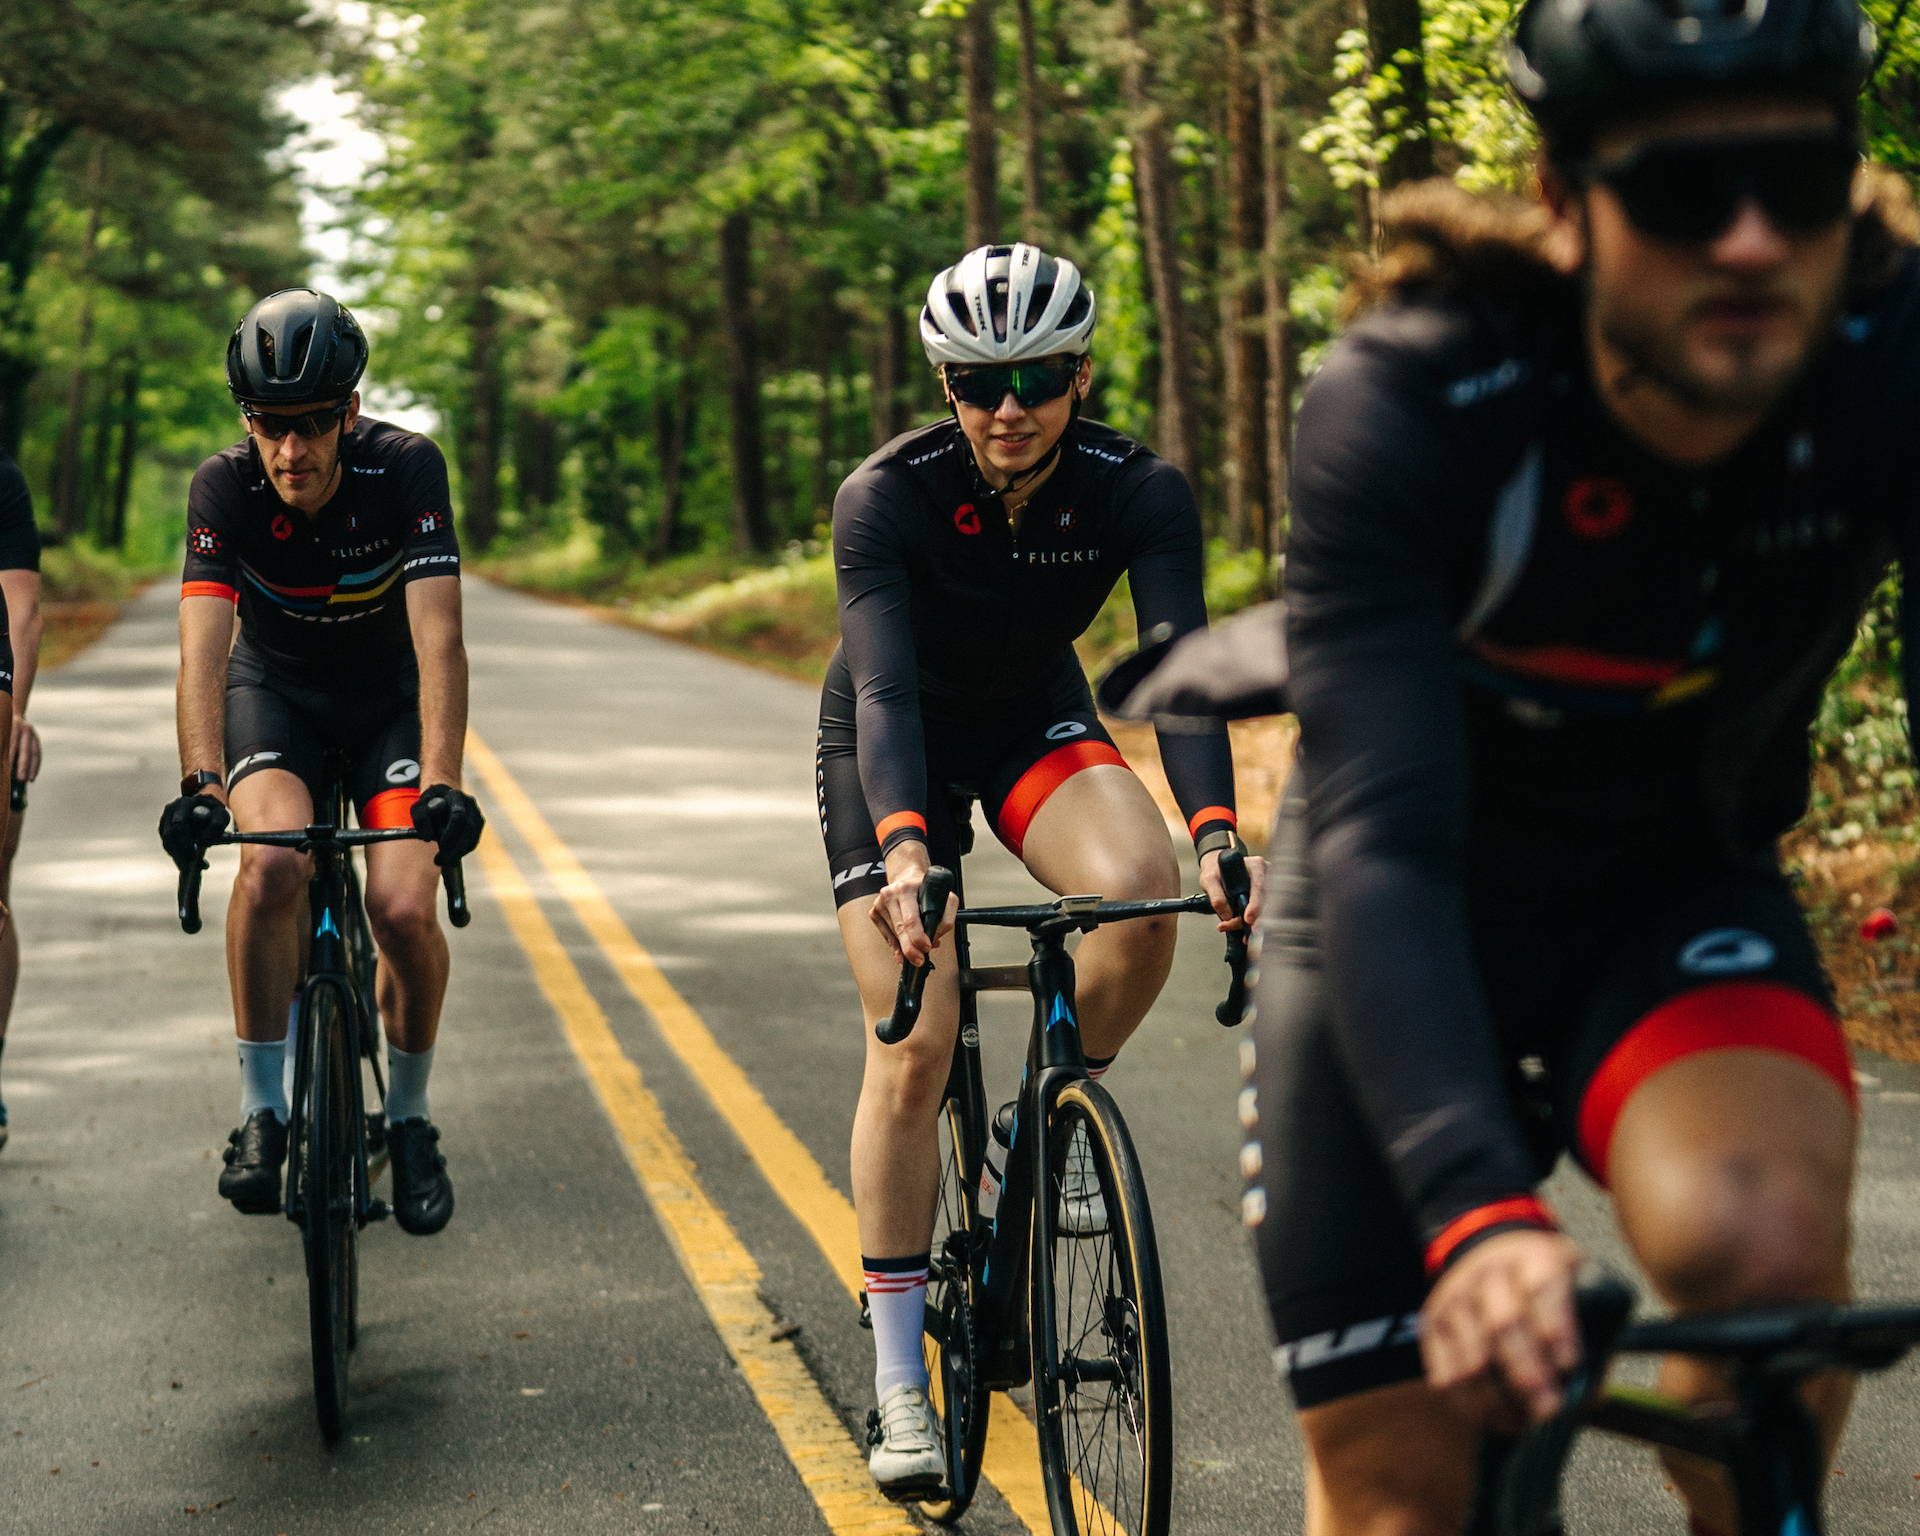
1727	1016
389	808
1030	792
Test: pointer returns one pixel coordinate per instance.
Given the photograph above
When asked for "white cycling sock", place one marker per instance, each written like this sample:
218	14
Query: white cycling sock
262	1065
407	1083
897	1303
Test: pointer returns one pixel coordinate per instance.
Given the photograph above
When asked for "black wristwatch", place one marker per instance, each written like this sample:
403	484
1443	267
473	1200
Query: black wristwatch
193	783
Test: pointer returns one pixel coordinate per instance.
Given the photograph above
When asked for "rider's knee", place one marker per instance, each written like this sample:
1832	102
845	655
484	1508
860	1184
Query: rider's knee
1744	1231
911	1077
271	880
401	920
1396	1478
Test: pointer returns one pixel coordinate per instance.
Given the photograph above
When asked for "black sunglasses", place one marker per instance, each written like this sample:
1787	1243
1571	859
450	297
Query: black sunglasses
1030	383
1690	190
307	423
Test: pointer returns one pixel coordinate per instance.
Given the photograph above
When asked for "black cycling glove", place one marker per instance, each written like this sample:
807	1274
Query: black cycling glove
450	817
189	825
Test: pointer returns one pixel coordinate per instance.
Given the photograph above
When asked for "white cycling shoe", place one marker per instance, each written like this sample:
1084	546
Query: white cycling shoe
906	1459
1083	1209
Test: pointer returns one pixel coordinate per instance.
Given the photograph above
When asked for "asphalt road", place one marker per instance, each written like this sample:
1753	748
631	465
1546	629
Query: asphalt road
639	1319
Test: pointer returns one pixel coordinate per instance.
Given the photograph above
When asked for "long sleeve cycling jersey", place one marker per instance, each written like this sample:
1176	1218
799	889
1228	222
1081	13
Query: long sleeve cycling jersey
1530	656
946	606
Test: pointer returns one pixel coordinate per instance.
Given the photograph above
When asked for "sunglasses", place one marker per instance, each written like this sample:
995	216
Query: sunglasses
1690	190
1030	383
306	424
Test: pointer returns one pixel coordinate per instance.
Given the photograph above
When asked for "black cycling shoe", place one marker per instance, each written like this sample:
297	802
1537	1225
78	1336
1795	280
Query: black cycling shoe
254	1155
422	1192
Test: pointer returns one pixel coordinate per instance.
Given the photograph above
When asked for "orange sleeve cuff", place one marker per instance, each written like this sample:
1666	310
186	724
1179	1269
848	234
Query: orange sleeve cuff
1211	813
899	821
209	589
1521	1211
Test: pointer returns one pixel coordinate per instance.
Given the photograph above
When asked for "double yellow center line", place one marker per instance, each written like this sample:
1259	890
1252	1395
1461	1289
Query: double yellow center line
717	1263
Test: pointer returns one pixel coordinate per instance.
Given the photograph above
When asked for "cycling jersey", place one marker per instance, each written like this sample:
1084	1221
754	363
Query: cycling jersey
1539	670
948	612
19	537
322	596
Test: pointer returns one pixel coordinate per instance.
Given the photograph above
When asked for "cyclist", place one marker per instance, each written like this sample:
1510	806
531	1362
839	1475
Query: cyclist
970	554
1585	511
330	535
20	587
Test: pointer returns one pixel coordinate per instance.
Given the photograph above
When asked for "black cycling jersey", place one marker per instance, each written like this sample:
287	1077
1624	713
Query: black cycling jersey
322	597
947	609
19	537
1534	661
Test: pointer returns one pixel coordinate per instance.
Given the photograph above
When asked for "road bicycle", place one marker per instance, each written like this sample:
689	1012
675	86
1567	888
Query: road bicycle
335	1148
1016	1292
1768	1444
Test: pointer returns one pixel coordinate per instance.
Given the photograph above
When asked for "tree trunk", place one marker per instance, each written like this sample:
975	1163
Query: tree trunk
751	531
481	431
536	457
674	419
888	410
1032	225
1243	358
823	434
93	474
1394	42
129	446
979	54
1276	277
23	169
69	478
1153	186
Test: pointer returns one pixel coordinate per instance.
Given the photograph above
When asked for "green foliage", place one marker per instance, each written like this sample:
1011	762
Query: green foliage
1864	773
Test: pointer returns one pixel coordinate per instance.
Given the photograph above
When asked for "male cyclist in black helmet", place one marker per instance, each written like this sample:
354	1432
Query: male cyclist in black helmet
970	554
320	612
1586	509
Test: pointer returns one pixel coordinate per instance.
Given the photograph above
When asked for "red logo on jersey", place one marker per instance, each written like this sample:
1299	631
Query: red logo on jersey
281	527
203	541
965	518
1598	507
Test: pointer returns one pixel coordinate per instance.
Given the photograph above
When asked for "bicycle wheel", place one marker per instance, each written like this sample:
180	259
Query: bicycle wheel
327	1171
1103	1402
951	1341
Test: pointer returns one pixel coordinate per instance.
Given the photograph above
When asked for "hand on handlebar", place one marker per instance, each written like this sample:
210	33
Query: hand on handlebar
1499	1333
1215	886
896	910
189	825
450	817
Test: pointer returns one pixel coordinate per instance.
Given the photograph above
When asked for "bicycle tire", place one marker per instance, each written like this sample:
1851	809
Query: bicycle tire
951	1340
1103	1404
329	1228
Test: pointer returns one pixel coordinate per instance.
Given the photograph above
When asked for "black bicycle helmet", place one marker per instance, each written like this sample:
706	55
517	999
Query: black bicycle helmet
1579	64
295	346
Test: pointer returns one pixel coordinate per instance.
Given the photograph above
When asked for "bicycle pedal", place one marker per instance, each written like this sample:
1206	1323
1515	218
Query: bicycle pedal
866	1313
378	1210
376	1132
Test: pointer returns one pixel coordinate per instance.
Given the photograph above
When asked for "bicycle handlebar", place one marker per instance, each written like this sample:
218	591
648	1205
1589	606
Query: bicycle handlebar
452	876
941	883
907	996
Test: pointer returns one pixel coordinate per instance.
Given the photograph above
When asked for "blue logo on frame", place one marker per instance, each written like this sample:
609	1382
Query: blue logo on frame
1061	1014
326	923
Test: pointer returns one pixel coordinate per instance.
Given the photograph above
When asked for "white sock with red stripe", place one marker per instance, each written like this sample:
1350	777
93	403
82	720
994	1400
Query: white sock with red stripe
897	1303
1097	1066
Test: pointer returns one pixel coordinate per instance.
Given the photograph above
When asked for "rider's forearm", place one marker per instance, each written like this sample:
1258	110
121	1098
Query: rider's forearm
24	626
443	708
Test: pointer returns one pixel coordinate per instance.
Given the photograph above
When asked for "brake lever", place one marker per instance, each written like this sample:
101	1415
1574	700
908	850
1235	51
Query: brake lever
907	996
1239	885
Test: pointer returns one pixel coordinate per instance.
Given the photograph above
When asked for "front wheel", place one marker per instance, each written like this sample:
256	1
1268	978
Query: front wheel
1103	1396
327	1173
951	1343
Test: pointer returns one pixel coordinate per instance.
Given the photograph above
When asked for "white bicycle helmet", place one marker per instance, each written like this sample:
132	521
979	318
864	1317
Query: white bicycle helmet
1006	303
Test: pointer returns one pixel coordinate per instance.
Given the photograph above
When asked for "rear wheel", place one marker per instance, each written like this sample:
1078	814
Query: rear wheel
951	1343
1103	1400
327	1171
